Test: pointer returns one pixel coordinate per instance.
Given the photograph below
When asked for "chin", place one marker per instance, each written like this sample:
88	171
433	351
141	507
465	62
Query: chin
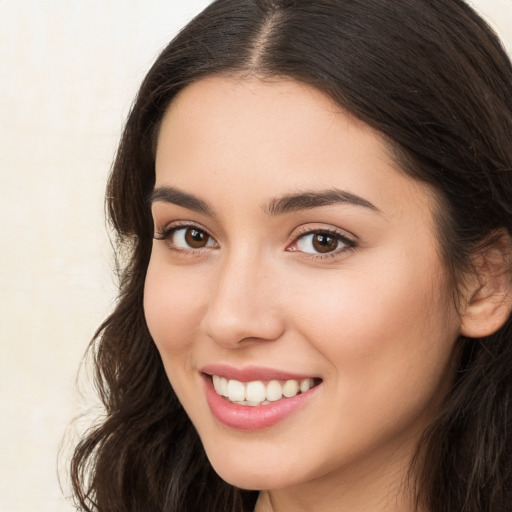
250	473
248	479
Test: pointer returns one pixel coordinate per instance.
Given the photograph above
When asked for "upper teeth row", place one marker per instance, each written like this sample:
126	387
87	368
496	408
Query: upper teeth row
256	392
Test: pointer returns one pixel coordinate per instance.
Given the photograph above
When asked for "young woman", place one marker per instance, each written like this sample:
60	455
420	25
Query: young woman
313	205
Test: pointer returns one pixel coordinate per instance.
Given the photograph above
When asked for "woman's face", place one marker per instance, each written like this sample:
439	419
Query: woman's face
290	254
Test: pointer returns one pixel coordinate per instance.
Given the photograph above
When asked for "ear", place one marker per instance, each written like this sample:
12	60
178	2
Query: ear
488	291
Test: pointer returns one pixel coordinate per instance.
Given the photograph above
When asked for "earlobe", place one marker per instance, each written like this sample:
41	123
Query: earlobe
488	300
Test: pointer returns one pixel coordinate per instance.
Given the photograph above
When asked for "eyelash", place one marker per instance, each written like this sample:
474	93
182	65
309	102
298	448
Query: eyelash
347	244
167	233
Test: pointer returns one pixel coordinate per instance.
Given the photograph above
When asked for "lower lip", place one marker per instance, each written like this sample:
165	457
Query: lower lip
246	417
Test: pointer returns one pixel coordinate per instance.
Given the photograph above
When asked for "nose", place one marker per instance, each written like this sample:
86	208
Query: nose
243	304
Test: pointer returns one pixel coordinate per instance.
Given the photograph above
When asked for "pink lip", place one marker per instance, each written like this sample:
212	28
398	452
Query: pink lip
245	417
250	373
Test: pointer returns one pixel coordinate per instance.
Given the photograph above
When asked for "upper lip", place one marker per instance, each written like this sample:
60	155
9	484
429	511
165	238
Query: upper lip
251	373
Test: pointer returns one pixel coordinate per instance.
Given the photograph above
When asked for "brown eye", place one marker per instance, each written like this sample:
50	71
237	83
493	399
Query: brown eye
195	238
187	238
323	242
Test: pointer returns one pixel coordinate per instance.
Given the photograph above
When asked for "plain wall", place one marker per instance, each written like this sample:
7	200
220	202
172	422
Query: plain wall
69	71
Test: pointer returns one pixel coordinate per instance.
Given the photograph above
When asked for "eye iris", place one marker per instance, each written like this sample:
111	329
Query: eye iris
324	243
196	238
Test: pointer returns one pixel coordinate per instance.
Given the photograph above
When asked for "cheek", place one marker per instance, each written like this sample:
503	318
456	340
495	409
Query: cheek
372	321
172	306
390	347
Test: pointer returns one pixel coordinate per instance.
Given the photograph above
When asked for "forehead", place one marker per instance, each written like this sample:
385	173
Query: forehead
250	137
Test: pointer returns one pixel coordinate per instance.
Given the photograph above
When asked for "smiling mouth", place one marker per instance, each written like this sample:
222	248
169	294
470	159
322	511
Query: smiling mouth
257	392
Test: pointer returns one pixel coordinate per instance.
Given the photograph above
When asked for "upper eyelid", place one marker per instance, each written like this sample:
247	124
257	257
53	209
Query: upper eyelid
306	229
177	224
173	226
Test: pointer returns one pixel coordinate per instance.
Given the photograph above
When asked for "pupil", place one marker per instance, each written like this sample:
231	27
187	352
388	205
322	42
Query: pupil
324	243
195	238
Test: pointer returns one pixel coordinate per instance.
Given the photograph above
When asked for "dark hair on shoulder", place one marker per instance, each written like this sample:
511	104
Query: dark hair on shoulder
433	78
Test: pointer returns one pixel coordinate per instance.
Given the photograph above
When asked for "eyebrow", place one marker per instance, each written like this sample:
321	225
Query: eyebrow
278	206
178	197
314	199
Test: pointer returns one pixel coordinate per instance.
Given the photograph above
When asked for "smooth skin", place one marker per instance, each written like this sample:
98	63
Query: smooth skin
354	292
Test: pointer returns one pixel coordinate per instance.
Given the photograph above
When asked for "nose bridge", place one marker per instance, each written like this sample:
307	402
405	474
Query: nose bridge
242	303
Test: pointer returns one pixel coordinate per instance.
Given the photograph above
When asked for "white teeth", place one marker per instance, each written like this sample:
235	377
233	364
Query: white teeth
274	391
252	403
290	388
256	393
306	384
236	391
224	387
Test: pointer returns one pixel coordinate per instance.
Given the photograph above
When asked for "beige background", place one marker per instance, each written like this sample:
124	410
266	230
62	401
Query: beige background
68	72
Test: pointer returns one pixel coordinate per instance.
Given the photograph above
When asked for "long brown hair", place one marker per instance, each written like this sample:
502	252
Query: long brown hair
433	78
